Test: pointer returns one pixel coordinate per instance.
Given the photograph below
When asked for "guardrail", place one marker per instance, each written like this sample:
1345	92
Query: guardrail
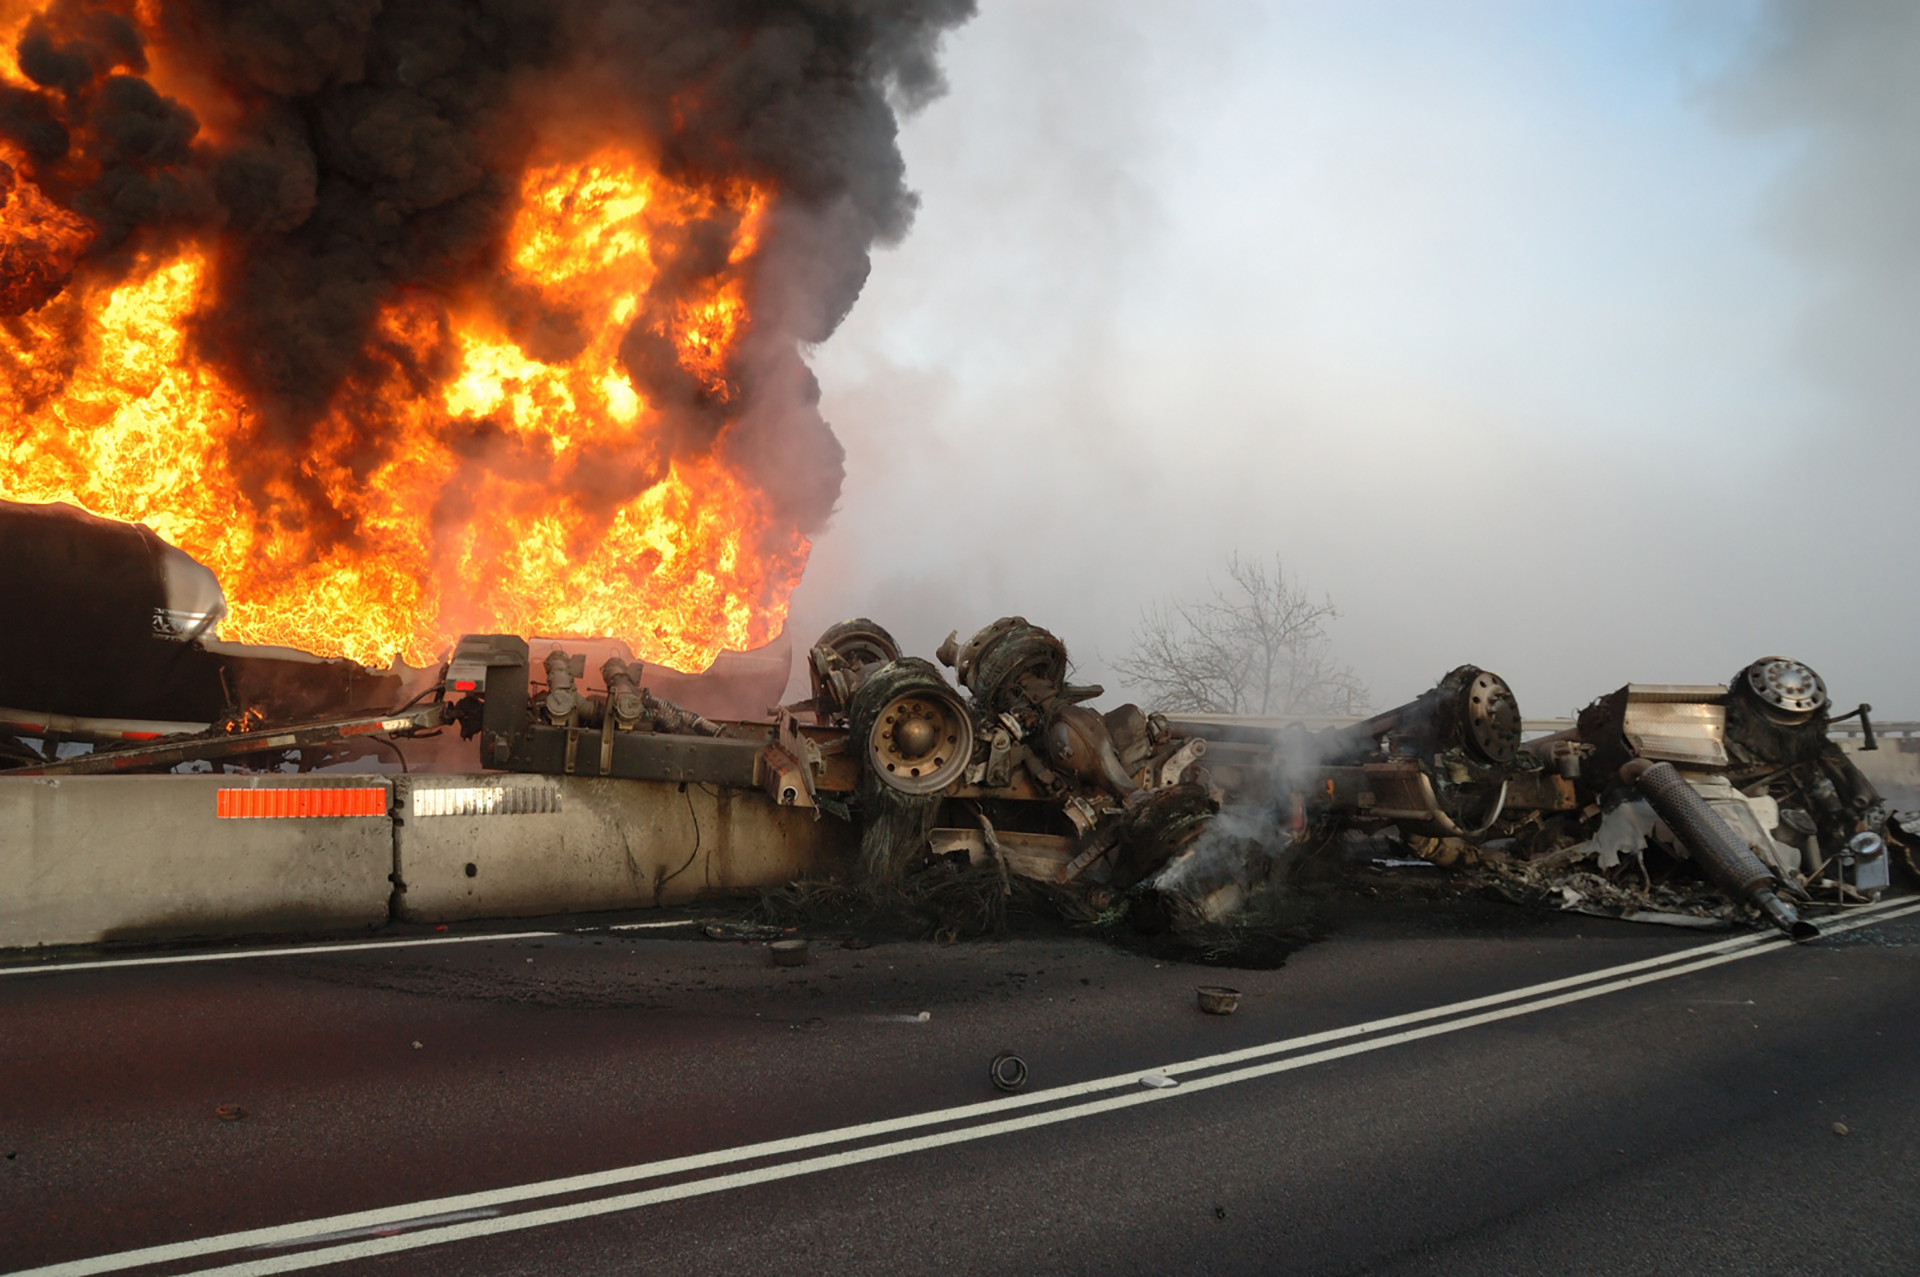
1880	729
1529	727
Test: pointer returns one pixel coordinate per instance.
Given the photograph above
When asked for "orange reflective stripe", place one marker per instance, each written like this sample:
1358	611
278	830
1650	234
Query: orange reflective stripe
284	802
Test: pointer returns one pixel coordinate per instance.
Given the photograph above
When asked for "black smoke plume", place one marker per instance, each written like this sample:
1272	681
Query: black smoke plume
370	148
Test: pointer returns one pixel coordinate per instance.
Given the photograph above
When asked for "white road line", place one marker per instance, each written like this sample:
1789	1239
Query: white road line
307	1231
231	955
853	1157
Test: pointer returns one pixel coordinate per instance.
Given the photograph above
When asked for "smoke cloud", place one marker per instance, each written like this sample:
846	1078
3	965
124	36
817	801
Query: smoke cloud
1839	79
1535	336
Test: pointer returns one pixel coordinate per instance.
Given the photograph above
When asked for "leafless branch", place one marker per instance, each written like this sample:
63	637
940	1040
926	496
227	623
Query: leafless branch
1256	645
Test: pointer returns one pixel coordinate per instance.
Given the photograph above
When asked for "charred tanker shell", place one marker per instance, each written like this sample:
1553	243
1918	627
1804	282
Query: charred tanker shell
106	620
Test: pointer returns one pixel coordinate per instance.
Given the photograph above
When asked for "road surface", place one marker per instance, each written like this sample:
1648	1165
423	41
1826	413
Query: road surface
1425	1091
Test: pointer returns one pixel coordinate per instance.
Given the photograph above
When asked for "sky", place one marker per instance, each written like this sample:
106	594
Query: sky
1567	339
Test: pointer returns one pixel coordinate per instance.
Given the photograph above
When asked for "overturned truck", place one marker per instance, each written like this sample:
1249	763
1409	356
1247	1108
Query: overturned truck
1660	802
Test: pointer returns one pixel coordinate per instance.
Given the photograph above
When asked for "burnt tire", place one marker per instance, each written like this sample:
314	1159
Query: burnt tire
1159	824
860	641
912	730
1006	653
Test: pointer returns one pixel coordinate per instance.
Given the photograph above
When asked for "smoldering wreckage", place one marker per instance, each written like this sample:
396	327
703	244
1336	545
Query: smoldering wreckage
1711	805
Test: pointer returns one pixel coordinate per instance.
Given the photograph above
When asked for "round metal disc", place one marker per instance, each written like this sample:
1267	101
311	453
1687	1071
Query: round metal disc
1787	685
921	742
1493	716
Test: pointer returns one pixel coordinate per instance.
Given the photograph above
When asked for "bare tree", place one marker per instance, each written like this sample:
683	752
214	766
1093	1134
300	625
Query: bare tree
1258	646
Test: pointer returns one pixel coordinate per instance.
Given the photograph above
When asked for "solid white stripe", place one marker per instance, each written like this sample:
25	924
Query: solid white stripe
1741	946
232	955
854	1157
229	955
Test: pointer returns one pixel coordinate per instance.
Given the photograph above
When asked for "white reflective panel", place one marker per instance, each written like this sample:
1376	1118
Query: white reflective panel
486	800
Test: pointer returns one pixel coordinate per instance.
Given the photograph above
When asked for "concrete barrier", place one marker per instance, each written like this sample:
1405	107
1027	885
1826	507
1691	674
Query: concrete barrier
1894	768
85	859
496	846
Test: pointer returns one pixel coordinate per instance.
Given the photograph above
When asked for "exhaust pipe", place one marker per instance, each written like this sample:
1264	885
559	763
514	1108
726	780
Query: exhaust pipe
1714	846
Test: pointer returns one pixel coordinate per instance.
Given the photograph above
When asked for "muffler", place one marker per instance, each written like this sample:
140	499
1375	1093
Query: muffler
1719	852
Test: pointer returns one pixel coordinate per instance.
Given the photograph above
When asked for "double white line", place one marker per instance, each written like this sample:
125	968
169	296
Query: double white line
364	1234
308	950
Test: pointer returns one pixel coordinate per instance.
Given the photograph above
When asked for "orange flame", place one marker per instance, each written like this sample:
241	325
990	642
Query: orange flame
471	515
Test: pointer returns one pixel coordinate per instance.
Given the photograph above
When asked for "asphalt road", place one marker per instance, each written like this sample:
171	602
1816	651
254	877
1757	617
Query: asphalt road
1668	1119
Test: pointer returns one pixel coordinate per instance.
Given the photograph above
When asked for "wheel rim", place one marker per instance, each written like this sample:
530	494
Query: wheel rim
920	742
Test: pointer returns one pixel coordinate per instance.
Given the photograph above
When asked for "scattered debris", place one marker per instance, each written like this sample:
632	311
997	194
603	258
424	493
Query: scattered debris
1157	1081
743	931
788	953
230	1113
1217	999
1007	1071
1702	806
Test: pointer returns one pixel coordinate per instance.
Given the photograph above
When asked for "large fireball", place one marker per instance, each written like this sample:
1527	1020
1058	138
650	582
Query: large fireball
407	329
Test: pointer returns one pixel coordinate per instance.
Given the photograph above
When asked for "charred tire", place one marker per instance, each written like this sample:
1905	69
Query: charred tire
1159	824
859	642
913	731
840	659
1788	691
1006	652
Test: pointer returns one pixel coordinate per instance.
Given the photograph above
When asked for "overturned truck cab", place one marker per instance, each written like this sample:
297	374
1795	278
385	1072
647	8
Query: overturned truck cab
1691	803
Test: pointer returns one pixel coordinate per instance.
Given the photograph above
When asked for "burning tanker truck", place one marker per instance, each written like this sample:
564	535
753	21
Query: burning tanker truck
1733	797
1661	802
